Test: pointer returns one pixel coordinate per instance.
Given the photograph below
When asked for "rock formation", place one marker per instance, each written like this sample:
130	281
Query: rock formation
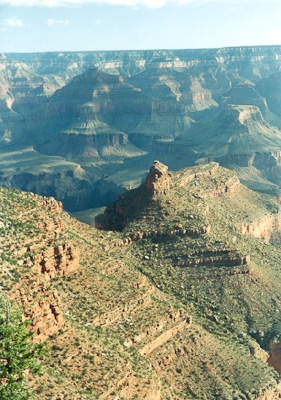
275	356
159	179
83	127
43	260
56	261
173	300
267	228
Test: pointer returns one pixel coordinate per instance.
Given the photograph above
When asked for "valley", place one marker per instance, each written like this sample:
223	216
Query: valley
140	225
85	127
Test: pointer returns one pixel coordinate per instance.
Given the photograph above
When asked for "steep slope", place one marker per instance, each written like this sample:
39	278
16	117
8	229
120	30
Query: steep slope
80	301
237	131
79	115
239	138
181	301
270	89
190	232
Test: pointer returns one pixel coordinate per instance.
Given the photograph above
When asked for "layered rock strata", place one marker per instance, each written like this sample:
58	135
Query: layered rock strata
43	261
91	121
267	228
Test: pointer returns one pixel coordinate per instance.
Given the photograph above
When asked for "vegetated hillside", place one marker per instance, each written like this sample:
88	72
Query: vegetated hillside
178	298
85	126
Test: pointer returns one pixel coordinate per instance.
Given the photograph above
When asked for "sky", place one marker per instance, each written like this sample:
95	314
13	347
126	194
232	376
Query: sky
87	25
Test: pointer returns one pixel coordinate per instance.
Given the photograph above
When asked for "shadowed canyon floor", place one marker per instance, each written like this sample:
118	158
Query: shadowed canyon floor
178	297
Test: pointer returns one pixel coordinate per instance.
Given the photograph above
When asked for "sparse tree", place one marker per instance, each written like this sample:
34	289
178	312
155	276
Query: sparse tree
18	355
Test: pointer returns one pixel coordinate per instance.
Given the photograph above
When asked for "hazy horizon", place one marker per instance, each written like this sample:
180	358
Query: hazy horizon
31	26
139	49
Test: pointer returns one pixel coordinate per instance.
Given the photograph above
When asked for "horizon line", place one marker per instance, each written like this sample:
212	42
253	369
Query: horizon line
140	50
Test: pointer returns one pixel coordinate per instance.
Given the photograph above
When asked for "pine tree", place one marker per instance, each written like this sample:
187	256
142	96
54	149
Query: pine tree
18	355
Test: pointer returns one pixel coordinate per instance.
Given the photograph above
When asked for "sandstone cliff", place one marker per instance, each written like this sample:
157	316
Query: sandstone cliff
41	259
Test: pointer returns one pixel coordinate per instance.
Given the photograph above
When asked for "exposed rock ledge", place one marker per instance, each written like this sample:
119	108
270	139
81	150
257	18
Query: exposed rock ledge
267	228
275	356
272	394
159	179
185	177
163	338
163	330
40	303
229	259
220	184
57	261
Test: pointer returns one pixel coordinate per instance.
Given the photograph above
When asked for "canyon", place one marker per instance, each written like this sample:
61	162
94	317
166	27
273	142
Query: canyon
174	291
84	127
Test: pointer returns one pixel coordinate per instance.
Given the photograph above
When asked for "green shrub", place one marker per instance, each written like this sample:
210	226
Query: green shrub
18	355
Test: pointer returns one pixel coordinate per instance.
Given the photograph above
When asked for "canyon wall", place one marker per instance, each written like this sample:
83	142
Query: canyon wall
97	119
267	228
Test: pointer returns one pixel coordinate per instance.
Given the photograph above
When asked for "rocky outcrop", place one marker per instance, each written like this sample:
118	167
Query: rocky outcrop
274	359
227	259
177	231
130	206
46	315
267	228
159	179
230	187
222	184
41	305
56	261
39	301
162	339
168	233
50	204
163	331
185	177
202	182
42	253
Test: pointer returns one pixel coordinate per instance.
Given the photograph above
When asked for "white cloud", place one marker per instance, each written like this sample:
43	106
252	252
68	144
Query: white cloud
132	3
98	21
52	22
12	22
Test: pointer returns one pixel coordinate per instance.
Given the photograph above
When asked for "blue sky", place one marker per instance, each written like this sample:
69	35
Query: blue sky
71	25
